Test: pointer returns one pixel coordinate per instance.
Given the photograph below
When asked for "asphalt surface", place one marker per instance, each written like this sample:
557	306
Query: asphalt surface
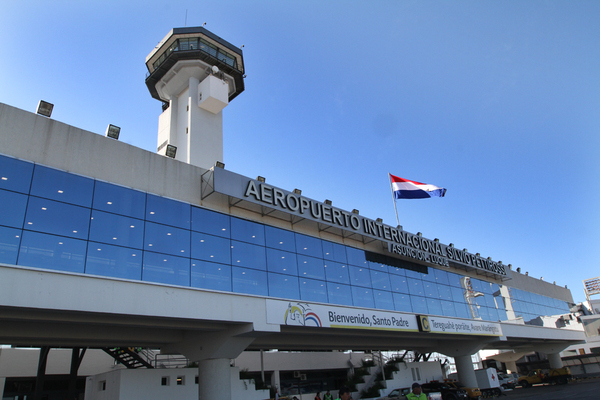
588	389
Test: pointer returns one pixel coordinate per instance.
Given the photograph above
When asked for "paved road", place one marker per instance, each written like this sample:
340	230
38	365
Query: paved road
582	390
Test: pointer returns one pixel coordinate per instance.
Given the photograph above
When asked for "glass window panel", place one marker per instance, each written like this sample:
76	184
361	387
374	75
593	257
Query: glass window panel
15	174
280	239
114	261
448	308
248	255
419	304
313	290
402	302
282	262
9	244
164	268
444	292
495	289
211	248
62	186
430	276
339	294
489	301
483	313
454	279
476	285
431	290
247	231
383	300
359	276
334	252
209	275
117	229
435	307
52	252
210	222
284	286
415	287
362	297
167	239
356	257
486	287
57	218
119	200
399	283
458	295
208	48
310	267
168	212
381	279
13	208
462	310
441	276
526	296
249	281
336	272
493	314
309	246
396	270
502	316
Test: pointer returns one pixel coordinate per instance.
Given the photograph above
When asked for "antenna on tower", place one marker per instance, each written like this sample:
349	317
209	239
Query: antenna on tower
185	17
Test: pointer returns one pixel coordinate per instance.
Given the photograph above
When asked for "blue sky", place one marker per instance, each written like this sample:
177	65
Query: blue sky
496	101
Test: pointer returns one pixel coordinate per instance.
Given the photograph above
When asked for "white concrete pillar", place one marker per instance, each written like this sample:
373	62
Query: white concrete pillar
466	373
276	381
555	360
2	383
214	379
511	366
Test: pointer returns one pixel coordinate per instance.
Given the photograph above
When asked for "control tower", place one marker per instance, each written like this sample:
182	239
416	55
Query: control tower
195	74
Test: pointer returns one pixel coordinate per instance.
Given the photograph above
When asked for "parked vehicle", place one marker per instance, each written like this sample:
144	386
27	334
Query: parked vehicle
400	394
449	392
487	380
473	392
559	376
507	381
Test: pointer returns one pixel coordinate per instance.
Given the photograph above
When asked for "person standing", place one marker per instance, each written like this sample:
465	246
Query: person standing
417	393
318	396
328	396
344	393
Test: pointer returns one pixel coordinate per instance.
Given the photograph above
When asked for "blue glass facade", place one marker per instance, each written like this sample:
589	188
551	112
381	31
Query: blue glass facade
55	220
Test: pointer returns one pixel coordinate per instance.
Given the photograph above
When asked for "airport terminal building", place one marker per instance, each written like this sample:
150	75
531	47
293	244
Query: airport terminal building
103	244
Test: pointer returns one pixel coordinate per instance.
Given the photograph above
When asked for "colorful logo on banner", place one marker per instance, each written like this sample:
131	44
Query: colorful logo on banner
423	322
300	314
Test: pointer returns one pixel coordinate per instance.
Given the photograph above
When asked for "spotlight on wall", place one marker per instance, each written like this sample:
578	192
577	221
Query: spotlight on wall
478	254
328	202
399	227
419	234
298	192
380	220
112	131
436	240
219	164
509	266
355	211
527	273
260	179
465	250
44	108
171	151
519	269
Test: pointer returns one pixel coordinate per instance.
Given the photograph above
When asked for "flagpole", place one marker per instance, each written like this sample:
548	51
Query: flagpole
393	198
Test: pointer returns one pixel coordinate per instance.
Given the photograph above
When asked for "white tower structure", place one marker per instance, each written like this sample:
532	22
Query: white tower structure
195	74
